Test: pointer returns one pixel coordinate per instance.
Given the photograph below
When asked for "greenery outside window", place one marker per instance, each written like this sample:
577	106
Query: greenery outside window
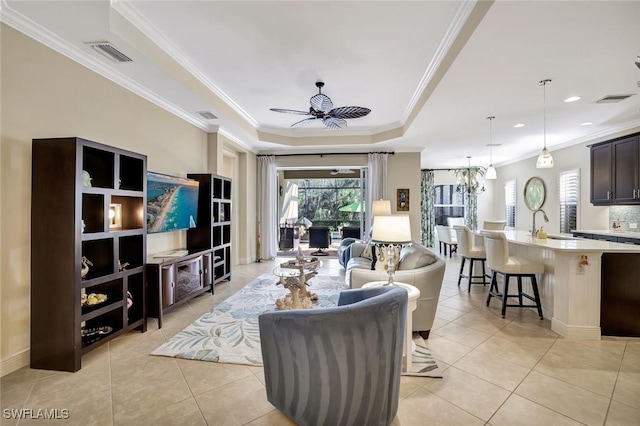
319	200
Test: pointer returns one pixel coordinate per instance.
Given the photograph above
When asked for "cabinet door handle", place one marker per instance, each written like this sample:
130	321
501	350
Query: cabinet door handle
608	195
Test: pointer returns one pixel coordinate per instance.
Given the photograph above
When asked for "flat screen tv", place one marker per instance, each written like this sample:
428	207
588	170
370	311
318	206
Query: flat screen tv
172	203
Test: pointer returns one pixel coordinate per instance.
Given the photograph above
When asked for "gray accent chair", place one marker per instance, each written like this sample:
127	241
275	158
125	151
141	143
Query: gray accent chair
340	365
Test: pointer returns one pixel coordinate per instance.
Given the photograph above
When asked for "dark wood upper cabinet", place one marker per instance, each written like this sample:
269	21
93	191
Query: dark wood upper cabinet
601	174
615	171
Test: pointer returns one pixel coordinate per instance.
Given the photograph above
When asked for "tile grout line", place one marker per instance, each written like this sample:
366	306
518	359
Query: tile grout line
613	391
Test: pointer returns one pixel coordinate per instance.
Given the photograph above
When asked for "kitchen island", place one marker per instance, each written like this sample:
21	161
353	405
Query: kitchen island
571	286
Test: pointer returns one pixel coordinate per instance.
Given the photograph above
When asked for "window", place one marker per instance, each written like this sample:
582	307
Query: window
569	194
510	203
448	203
320	200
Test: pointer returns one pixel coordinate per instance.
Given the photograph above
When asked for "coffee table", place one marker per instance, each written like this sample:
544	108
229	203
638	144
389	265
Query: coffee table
414	294
294	276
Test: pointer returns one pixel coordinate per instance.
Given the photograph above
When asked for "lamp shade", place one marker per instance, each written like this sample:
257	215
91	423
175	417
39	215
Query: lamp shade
381	208
392	229
491	173
545	160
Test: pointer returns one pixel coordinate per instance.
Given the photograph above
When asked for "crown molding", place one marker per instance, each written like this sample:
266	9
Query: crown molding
599	136
42	35
225	133
459	20
152	33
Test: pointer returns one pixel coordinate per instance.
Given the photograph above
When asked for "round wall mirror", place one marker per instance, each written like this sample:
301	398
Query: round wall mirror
534	193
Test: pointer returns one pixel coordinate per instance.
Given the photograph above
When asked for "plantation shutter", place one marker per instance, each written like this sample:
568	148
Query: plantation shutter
510	203
569	192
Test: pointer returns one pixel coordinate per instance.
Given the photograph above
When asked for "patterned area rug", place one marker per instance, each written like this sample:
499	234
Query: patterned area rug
422	363
230	334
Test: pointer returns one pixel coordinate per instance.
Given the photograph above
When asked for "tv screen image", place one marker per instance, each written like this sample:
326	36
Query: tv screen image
172	203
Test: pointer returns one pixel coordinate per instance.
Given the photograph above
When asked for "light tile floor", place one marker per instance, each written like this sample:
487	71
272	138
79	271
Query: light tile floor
511	371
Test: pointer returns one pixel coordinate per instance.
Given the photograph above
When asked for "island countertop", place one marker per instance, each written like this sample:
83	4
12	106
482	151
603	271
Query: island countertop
569	244
625	234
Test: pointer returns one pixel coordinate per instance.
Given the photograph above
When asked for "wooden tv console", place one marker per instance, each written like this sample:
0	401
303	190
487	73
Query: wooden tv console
172	281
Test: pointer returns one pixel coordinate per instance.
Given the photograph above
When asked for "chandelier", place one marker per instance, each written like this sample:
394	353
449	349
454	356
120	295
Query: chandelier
470	179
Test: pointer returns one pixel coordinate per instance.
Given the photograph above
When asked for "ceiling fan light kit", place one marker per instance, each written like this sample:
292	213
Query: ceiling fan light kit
545	160
322	109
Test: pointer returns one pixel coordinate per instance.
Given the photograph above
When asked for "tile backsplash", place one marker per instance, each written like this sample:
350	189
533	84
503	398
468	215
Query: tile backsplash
629	214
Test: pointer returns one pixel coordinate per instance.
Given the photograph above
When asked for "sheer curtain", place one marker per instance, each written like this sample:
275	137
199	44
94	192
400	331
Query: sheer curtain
427	207
376	182
267	206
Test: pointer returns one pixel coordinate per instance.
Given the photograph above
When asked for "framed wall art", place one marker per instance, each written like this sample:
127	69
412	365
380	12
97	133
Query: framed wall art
403	200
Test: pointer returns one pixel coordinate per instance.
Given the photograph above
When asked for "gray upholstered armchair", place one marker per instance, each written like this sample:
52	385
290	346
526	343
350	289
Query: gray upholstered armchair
340	365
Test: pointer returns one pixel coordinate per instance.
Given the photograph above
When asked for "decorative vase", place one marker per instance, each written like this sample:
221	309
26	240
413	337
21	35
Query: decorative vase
86	178
85	267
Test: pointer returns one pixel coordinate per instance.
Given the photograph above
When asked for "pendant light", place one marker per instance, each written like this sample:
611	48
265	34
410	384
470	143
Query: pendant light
545	160
491	171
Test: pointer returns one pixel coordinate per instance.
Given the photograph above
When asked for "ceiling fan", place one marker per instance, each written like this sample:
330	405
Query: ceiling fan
322	109
342	172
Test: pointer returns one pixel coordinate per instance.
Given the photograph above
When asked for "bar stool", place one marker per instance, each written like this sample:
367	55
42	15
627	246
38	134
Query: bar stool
468	251
494	225
445	238
497	250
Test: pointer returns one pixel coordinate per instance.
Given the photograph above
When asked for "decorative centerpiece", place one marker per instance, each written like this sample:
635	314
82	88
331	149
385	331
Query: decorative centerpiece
296	282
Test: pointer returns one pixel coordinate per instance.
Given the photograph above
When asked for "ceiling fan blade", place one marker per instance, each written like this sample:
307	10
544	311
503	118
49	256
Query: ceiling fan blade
349	112
290	111
321	102
334	123
303	123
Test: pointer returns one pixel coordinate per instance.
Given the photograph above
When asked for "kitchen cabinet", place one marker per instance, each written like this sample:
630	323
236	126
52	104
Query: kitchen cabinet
615	171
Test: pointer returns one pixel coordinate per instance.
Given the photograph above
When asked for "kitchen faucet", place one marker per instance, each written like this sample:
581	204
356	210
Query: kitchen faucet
544	216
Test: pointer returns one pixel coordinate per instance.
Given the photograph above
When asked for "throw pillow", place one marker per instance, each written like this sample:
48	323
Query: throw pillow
367	252
415	257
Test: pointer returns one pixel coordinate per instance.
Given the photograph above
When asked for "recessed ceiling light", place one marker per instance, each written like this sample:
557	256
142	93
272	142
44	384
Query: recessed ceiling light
573	98
518	125
587	123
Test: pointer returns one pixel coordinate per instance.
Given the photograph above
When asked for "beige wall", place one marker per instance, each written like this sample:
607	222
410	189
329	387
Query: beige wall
403	172
44	94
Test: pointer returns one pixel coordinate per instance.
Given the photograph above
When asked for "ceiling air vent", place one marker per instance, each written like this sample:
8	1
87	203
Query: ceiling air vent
611	99
208	115
108	50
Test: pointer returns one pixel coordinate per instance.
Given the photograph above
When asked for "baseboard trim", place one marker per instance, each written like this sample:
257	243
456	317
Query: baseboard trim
575	332
15	362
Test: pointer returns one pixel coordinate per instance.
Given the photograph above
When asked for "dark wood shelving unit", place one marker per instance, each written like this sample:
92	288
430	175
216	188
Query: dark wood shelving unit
213	229
70	219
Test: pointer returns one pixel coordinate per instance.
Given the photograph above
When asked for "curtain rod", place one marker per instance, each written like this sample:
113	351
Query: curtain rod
441	170
327	153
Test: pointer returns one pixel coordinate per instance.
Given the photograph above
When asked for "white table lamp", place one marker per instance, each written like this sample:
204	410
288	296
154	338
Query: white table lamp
381	208
391	231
